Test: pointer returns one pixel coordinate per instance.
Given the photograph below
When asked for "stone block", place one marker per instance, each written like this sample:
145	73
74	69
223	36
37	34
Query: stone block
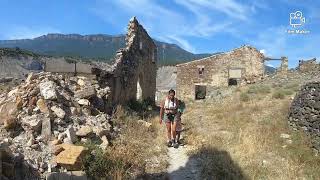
70	158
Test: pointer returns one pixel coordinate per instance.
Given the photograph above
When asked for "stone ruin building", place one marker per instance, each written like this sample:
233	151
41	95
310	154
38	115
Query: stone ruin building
308	65
50	111
240	66
131	77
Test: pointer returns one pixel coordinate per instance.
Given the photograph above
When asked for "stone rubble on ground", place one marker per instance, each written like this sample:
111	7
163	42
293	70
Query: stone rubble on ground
46	115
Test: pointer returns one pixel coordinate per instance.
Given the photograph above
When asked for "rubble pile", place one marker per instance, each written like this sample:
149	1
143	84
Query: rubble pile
45	116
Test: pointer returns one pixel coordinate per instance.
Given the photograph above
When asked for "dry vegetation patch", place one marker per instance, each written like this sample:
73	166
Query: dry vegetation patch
138	150
247	136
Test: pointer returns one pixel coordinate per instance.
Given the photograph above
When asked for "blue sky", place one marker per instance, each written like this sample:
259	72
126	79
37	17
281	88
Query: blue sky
199	26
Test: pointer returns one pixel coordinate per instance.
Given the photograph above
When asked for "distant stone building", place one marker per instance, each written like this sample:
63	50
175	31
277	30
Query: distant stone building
308	65
197	78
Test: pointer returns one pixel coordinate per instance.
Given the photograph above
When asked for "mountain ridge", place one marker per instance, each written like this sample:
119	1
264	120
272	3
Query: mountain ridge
101	47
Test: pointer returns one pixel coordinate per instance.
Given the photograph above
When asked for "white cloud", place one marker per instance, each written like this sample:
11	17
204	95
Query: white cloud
182	42
24	32
205	18
229	7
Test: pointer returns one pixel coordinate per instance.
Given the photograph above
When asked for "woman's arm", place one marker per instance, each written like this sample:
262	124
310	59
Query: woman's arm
161	111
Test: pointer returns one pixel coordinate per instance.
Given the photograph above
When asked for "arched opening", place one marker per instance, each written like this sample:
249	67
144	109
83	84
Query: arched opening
139	90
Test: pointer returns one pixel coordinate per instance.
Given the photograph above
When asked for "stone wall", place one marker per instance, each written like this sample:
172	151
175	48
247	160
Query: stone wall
308	65
134	63
245	60
62	66
305	111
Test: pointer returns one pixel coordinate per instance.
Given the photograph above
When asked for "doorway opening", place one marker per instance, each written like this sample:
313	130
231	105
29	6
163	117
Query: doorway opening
232	82
200	92
139	91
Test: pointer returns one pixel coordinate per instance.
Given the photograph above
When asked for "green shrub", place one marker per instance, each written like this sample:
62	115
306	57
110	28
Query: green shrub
244	97
98	164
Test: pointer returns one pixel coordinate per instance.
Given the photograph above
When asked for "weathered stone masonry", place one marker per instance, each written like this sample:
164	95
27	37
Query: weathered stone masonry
305	111
132	76
308	65
135	64
239	66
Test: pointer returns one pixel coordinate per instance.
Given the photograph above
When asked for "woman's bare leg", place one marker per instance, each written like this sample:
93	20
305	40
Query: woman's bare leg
178	135
168	124
173	129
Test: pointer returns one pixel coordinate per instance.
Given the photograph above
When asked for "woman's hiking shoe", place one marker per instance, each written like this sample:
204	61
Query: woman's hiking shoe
169	143
180	143
175	145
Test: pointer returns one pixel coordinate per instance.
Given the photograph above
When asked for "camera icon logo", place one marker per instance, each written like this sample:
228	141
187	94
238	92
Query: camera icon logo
297	19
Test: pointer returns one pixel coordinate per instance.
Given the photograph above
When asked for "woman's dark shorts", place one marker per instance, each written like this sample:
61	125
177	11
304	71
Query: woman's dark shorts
169	118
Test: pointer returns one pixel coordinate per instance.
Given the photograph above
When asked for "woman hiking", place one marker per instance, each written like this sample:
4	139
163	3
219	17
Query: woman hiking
168	112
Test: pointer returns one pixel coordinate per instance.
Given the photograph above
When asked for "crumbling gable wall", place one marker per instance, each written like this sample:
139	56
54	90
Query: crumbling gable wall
134	63
308	65
216	70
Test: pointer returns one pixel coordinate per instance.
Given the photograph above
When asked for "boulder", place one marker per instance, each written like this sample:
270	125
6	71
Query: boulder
31	76
48	90
46	129
8	114
103	92
81	82
74	111
71	157
85	93
41	104
31	141
19	102
13	92
33	101
32	123
105	143
58	111
34	92
71	135
84	102
99	131
84	131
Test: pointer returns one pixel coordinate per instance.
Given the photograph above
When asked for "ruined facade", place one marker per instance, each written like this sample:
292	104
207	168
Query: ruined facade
132	76
308	65
239	66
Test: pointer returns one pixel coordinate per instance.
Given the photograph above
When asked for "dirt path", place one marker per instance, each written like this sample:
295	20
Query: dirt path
181	166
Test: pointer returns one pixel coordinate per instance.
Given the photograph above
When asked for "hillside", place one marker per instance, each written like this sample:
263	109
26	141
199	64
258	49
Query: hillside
16	63
98	46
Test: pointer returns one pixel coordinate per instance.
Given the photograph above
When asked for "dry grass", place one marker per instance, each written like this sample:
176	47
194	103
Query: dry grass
138	150
249	134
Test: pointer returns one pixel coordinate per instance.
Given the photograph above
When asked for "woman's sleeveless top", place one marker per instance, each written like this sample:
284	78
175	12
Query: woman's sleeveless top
170	106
